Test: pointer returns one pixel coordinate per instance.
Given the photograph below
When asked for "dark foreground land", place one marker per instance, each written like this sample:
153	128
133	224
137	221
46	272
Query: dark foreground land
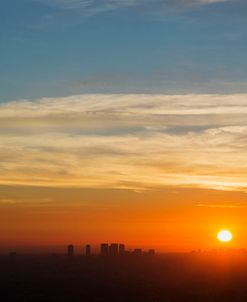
173	277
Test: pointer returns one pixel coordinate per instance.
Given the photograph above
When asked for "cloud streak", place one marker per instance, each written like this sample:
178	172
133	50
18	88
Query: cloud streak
223	206
92	7
129	141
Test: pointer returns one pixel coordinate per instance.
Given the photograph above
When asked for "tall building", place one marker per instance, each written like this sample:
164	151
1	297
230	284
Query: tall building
70	250
113	250
151	252
137	252
88	250
121	249
104	249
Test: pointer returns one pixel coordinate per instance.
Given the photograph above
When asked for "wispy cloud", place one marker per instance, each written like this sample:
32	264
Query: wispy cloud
226	206
125	141
8	202
91	7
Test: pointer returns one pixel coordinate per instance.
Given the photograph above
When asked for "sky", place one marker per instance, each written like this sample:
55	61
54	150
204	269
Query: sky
63	47
123	121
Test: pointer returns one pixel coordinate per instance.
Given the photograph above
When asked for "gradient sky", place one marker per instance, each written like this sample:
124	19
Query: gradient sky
123	120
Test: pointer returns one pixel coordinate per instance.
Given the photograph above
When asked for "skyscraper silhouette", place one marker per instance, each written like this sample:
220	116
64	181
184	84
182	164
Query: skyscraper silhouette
121	249
137	252
104	249
88	250
151	252
70	250
113	250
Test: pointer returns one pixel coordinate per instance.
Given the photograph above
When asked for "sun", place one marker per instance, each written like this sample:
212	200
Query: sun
224	236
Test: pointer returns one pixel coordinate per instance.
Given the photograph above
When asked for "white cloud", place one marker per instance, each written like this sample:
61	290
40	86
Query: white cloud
125	141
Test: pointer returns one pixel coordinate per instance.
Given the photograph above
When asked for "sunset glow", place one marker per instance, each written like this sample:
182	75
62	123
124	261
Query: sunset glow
123	121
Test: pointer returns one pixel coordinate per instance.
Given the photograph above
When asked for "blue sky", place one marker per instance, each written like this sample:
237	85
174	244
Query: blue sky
65	47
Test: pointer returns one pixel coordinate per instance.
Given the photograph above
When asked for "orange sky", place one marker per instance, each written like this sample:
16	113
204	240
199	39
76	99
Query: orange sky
171	219
163	171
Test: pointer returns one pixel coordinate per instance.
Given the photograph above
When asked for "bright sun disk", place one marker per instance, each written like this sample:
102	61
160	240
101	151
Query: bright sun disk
224	236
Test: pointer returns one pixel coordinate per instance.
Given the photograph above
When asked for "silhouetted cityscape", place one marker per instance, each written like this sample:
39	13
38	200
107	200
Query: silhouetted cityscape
111	272
111	250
